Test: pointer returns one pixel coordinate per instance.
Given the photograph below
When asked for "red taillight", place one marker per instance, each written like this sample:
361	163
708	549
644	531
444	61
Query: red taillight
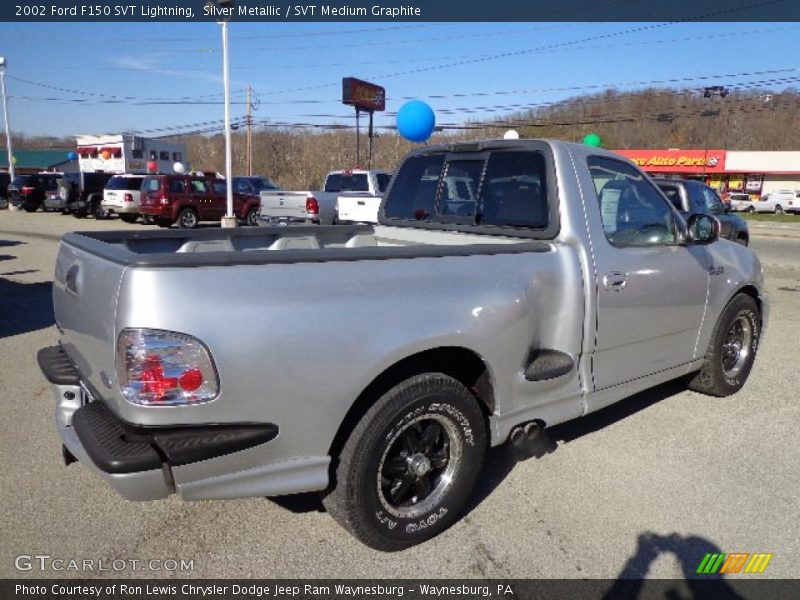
128	197
312	206
153	380
27	190
162	368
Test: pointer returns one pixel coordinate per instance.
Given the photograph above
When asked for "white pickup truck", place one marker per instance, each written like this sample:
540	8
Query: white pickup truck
320	207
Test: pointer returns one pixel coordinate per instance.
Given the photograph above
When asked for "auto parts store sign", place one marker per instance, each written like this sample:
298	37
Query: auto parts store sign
677	161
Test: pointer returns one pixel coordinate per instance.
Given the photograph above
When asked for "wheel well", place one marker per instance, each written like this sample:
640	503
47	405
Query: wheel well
753	293
459	363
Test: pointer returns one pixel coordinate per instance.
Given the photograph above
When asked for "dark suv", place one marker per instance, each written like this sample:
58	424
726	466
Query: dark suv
692	197
5	180
79	193
28	191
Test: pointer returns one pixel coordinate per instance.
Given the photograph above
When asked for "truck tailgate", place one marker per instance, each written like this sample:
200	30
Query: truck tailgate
284	205
85	290
358	209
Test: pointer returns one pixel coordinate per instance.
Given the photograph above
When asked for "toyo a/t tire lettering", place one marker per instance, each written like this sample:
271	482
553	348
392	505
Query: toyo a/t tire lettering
410	464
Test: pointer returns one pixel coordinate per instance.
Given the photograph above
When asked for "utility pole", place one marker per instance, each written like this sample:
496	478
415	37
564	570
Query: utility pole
5	116
249	131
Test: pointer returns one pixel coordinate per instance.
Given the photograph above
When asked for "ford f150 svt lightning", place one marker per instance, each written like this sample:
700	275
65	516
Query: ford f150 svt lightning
377	364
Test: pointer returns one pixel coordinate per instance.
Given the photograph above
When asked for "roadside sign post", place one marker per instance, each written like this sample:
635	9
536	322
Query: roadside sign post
366	97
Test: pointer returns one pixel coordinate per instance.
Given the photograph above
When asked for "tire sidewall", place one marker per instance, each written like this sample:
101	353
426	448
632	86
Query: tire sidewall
739	306
467	418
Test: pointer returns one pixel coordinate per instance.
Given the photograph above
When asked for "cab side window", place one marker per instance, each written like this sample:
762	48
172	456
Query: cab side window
633	211
177	186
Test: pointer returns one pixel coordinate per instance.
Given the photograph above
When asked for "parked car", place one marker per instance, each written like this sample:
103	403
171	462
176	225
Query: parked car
28	191
739	201
122	196
319	207
250	187
80	193
694	197
186	200
378	364
777	202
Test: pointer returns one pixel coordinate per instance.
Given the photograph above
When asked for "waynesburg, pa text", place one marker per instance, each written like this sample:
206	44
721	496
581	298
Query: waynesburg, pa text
253	590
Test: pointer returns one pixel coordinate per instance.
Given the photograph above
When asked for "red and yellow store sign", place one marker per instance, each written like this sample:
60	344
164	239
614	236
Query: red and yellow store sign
677	161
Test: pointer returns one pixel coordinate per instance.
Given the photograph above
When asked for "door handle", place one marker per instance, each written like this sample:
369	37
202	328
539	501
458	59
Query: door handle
615	281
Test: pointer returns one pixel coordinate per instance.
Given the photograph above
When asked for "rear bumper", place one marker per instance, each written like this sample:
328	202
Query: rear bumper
159	211
121	209
139	462
54	202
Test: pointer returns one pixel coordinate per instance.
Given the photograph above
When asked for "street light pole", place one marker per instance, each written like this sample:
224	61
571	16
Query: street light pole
225	9
710	92
5	116
229	220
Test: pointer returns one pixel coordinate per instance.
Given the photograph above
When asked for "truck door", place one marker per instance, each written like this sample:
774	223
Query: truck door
651	291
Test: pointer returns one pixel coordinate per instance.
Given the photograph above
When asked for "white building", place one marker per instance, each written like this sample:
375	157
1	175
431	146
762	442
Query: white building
128	153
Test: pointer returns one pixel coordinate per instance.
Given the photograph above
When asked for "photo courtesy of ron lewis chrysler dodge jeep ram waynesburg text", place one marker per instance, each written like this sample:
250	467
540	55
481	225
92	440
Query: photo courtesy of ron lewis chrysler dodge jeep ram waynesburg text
376	364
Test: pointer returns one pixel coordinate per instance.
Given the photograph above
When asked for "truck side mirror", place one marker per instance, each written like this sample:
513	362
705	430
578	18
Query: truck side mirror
702	229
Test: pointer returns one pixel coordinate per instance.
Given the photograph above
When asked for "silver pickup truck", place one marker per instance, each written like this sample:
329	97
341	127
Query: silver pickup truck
377	364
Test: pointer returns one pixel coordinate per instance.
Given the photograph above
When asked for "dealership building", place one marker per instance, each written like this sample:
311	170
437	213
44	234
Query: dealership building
756	173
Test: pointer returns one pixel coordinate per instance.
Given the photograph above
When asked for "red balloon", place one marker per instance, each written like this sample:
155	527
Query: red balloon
152	166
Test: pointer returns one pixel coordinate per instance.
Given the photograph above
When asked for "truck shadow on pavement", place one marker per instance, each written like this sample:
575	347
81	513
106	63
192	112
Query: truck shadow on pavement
25	307
500	461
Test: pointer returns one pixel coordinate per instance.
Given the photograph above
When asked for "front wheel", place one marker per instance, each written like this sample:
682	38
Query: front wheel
252	216
751	209
732	349
128	218
410	464
778	209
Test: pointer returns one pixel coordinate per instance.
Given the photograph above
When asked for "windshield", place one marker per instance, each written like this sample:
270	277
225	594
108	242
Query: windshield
20	180
264	183
125	183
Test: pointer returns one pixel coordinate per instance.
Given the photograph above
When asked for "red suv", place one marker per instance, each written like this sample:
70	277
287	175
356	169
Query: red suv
188	199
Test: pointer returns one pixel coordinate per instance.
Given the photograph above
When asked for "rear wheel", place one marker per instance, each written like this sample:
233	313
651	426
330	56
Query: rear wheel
410	464
128	218
751	209
778	209
30	207
163	222
732	349
187	219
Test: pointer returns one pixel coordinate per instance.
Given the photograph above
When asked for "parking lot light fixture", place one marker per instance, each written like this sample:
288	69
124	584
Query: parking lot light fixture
229	220
3	64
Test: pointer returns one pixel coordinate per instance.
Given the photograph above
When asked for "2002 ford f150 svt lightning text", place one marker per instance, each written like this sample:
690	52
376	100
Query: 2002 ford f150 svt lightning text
377	365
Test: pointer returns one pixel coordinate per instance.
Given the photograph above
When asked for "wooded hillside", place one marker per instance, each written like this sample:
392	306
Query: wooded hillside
652	118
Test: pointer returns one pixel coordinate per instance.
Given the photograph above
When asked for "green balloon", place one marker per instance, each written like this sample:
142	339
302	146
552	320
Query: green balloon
593	140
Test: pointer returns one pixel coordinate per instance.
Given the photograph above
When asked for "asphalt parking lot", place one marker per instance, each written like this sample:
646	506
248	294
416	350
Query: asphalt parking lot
645	487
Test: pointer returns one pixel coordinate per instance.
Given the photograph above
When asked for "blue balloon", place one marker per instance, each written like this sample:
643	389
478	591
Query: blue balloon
415	121
72	155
